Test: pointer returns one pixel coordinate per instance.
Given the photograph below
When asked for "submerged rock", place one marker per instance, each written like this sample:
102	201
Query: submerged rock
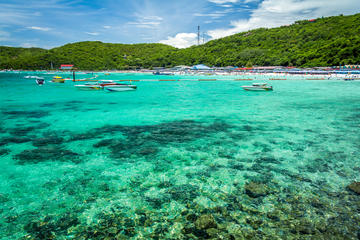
3	198
185	192
4	151
104	143
355	187
255	189
205	221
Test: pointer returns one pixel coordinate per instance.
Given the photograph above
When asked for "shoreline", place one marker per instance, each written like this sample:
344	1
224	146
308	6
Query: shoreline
239	76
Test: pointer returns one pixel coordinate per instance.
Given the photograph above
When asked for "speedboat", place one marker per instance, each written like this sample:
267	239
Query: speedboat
40	81
108	85
111	85
58	79
104	83
89	86
258	87
120	88
162	73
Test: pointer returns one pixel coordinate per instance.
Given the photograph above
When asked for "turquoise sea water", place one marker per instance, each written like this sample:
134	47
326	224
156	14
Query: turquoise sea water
179	160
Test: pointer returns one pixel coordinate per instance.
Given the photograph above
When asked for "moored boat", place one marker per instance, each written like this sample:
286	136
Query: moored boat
40	81
120	88
31	77
89	86
58	79
162	73
258	87
104	83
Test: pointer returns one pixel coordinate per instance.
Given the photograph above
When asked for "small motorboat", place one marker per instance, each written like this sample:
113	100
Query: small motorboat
104	83
89	86
40	81
120	87
162	73
258	87
58	79
113	86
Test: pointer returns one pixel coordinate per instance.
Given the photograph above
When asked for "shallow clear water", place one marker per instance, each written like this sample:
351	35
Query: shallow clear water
179	160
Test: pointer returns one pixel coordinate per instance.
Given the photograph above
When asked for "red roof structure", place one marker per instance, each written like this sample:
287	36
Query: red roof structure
66	66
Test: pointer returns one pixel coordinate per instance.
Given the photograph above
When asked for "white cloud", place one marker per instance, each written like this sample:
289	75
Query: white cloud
250	1
181	40
29	45
45	29
275	13
223	1
147	21
155	18
92	33
212	15
107	27
216	14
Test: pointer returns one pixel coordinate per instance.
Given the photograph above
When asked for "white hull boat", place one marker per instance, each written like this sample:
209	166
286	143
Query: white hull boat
258	87
89	87
120	88
40	81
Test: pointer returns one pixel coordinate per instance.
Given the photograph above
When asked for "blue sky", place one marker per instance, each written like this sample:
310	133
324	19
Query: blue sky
52	23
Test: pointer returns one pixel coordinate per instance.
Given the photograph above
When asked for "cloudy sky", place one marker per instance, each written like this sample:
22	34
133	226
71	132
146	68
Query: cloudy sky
52	23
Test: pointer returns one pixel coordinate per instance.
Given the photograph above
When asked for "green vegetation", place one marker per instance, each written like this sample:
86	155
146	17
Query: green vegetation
330	41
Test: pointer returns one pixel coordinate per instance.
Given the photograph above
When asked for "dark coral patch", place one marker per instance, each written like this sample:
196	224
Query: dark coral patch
7	140
44	154
20	131
4	151
144	140
50	140
26	114
184	193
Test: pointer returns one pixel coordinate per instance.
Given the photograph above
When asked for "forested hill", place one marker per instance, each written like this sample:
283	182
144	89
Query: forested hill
89	55
327	41
330	41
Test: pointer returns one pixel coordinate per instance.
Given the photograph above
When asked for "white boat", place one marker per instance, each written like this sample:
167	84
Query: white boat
258	87
108	85
89	86
120	88
31	77
40	81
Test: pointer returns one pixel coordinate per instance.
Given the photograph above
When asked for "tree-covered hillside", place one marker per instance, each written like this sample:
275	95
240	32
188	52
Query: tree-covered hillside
325	42
13	57
92	55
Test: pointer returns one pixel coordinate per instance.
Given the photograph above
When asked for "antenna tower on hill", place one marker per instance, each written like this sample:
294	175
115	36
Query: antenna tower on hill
198	35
